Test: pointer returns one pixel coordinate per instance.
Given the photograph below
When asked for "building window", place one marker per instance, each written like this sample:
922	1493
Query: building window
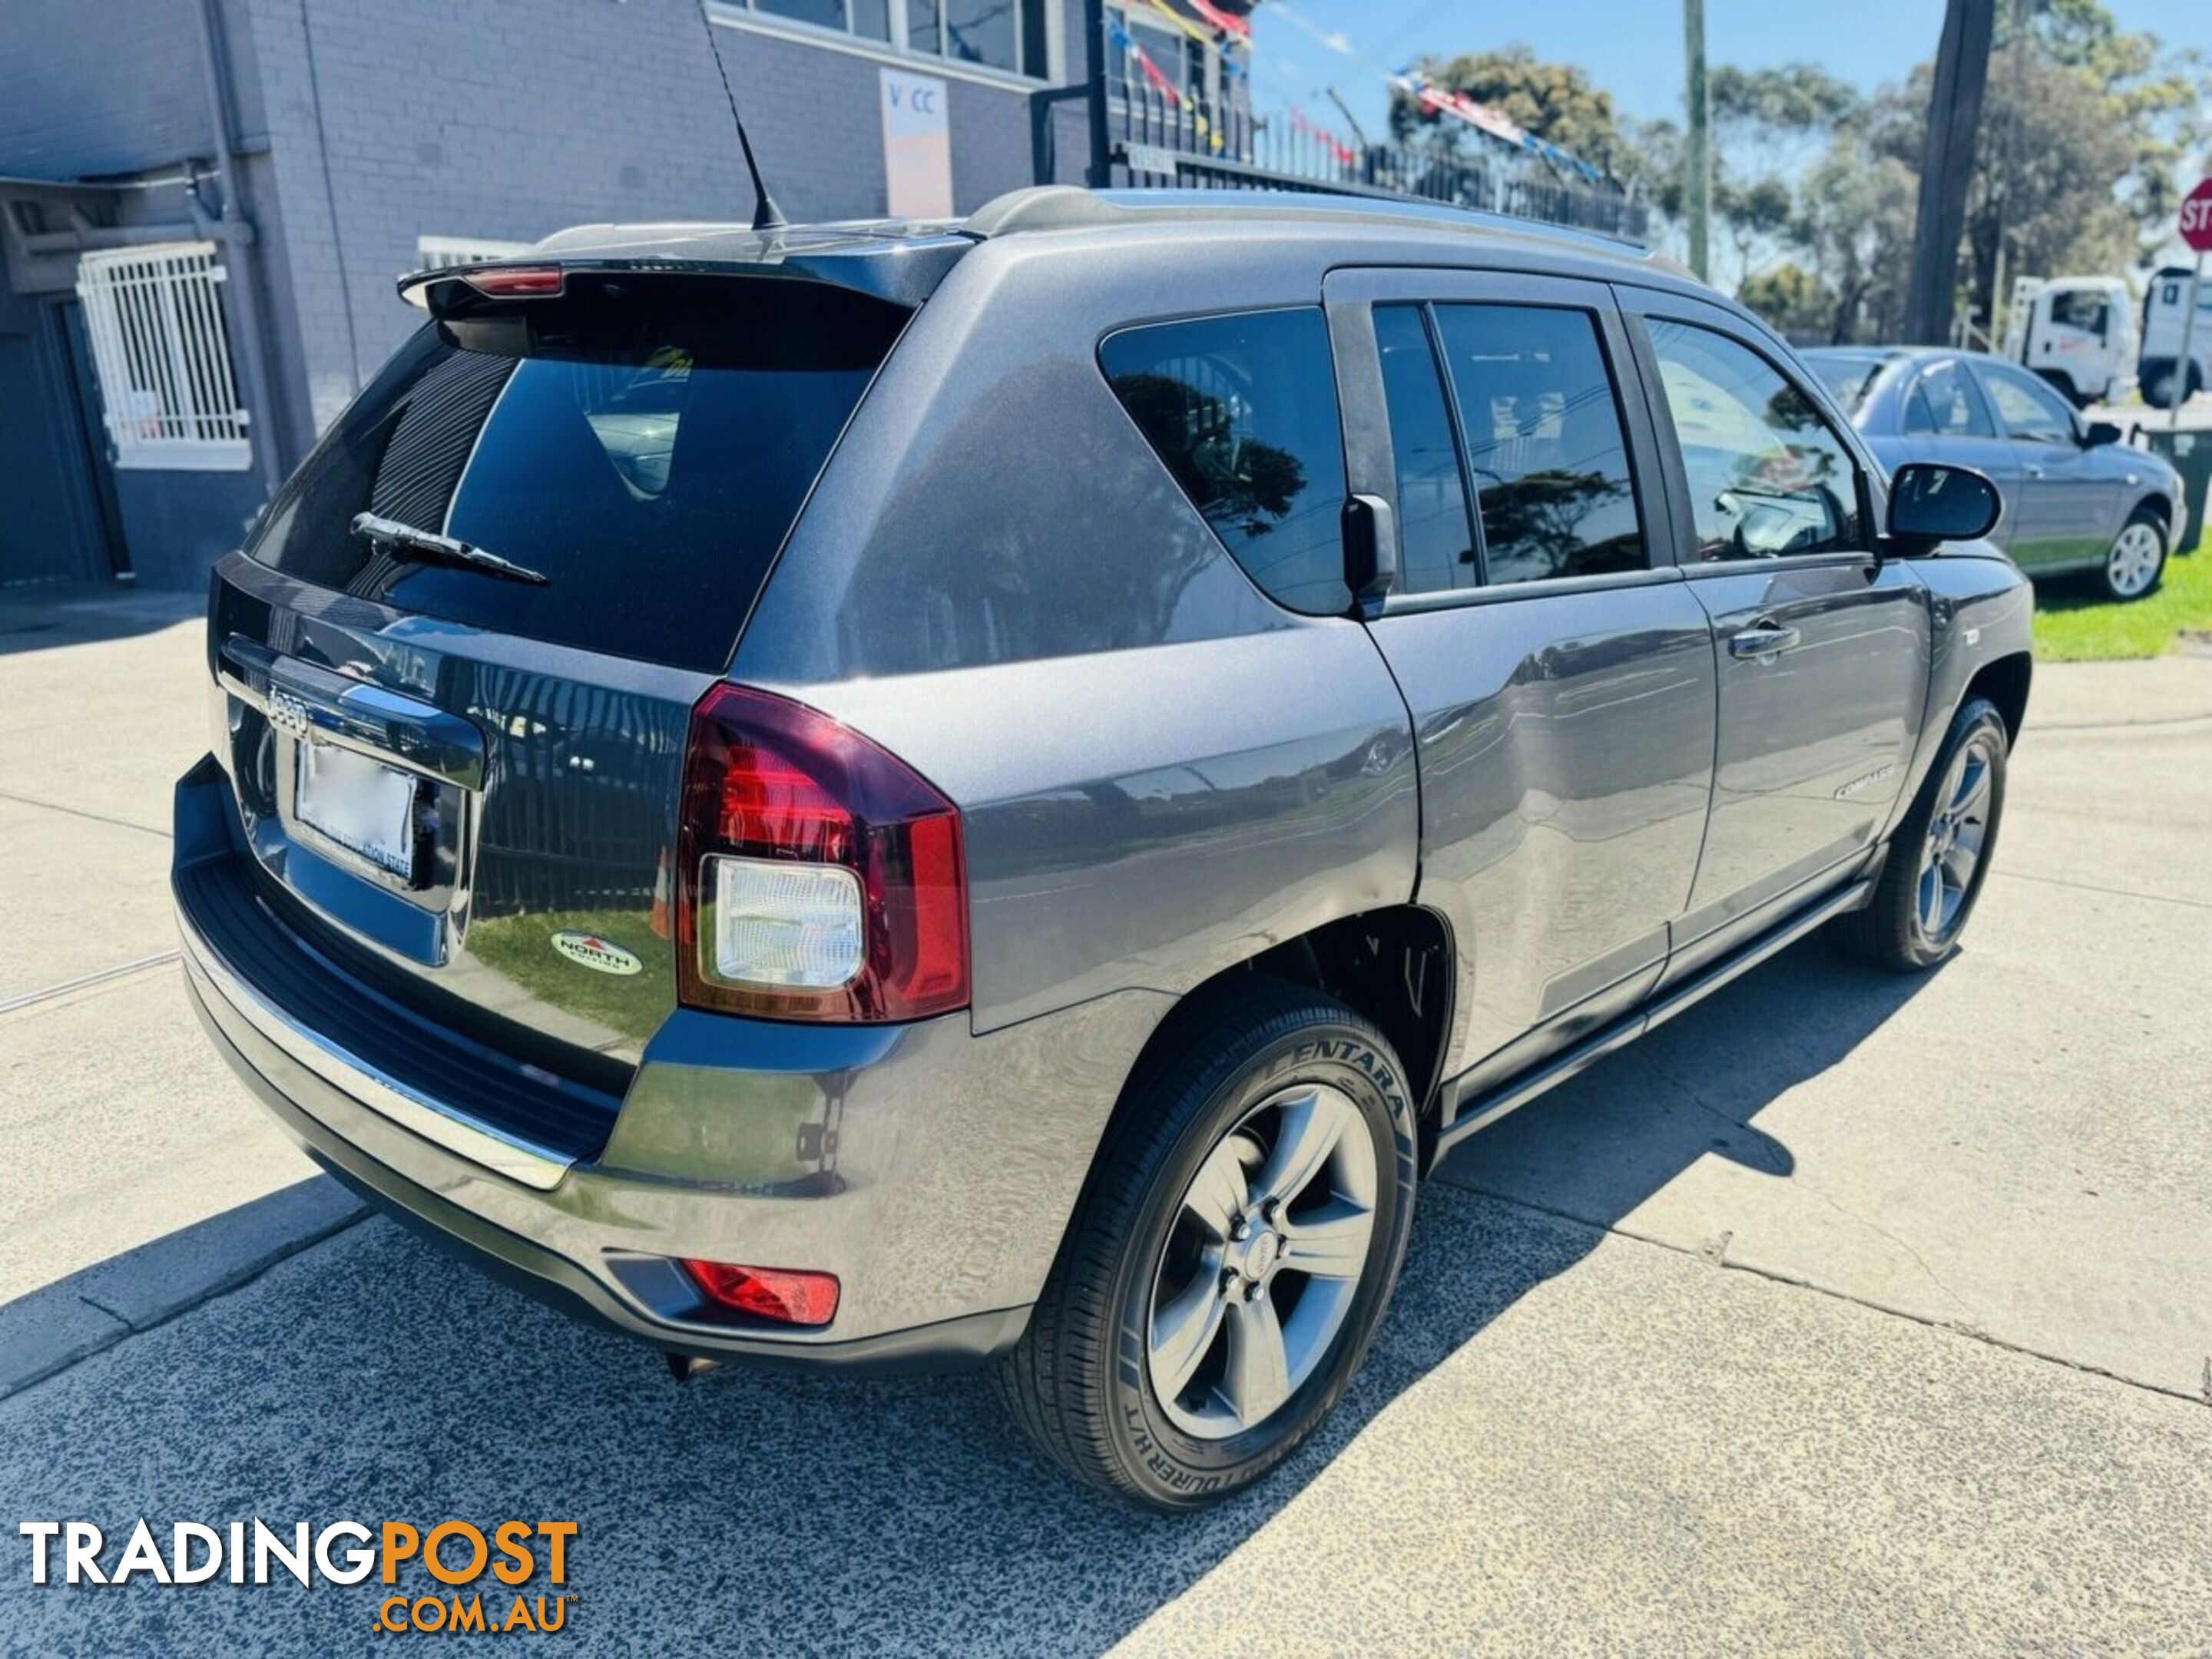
441	253
161	353
1001	34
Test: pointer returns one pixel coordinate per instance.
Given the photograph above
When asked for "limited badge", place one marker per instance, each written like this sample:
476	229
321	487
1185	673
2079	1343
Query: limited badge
602	955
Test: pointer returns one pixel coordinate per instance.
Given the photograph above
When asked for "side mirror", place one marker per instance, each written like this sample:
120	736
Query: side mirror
1930	503
2098	433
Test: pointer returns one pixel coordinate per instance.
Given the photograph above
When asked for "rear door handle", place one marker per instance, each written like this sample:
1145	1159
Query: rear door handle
2032	470
1763	641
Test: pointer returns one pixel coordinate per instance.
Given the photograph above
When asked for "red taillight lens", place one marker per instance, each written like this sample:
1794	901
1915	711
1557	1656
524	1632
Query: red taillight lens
787	1296
819	877
517	281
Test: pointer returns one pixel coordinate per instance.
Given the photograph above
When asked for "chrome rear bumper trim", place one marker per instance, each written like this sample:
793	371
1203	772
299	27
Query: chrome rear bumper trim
517	1160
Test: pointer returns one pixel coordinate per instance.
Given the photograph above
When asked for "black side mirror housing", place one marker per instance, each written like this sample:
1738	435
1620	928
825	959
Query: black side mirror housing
2099	433
1930	503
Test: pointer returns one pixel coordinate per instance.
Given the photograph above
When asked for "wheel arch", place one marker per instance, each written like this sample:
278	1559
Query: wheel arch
2004	681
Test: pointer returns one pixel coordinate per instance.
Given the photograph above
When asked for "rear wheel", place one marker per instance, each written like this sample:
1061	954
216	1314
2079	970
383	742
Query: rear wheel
1940	855
2160	390
2136	559
1240	1239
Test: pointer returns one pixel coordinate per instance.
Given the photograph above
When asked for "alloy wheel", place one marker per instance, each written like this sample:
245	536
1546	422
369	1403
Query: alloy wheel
2132	565
1262	1262
1957	831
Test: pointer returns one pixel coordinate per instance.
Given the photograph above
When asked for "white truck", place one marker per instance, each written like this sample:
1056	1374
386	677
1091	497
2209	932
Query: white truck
2165	308
2078	333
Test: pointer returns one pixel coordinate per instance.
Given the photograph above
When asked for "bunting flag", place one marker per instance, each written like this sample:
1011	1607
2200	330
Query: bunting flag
1494	123
1225	22
1164	85
1183	22
1344	153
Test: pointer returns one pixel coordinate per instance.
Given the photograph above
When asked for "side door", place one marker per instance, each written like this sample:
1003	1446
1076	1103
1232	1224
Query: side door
1943	417
1558	672
2065	498
1821	648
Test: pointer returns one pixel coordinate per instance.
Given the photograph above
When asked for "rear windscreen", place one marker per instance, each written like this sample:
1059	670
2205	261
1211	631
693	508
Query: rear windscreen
643	443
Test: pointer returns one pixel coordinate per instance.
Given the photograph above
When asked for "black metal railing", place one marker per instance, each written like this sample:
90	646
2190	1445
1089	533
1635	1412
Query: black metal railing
1157	141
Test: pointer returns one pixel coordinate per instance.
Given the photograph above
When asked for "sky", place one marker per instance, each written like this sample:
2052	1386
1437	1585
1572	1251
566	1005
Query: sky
1632	48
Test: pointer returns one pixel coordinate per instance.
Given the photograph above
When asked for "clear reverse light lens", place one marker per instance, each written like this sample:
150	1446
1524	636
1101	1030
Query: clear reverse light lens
777	923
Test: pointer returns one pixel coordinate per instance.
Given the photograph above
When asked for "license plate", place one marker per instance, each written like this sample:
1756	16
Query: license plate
364	806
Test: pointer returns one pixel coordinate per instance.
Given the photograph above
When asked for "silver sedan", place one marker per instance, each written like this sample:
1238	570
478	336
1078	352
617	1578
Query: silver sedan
2076	499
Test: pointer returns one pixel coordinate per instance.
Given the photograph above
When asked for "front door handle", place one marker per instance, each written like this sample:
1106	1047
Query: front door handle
1763	642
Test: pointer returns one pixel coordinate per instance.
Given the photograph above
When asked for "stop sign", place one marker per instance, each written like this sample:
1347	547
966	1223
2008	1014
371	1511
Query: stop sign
2196	218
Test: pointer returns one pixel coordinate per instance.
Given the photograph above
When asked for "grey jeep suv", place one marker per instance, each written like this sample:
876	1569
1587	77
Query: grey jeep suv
998	792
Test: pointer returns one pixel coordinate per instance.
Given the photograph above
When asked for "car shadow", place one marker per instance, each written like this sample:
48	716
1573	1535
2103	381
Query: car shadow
41	616
373	1378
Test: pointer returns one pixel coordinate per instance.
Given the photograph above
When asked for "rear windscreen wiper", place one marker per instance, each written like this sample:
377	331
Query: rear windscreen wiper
394	536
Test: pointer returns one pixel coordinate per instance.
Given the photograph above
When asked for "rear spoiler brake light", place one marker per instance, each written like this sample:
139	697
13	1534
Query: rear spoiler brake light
495	282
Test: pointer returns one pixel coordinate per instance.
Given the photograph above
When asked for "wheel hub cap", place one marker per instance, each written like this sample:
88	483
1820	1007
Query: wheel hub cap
1262	1261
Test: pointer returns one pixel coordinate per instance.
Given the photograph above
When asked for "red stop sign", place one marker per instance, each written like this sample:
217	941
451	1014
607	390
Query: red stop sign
2196	218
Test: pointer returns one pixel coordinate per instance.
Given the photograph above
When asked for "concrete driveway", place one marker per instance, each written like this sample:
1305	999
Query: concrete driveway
1845	1314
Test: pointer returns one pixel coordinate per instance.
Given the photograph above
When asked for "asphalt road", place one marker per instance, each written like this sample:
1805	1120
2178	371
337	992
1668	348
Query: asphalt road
1845	1314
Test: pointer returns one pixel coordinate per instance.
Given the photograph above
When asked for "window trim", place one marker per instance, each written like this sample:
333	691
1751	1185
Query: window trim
1351	293
1641	307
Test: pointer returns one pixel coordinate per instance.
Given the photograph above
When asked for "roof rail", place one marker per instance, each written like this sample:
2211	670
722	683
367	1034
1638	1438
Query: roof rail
1070	207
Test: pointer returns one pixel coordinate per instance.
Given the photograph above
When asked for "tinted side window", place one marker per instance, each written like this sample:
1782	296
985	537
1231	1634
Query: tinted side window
1767	477
2029	409
1435	538
1544	441
1944	404
1243	411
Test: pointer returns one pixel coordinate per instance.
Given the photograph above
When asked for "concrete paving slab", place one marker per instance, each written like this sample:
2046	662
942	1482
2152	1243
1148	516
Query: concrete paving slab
2014	1144
101	721
122	1127
82	895
1562	1442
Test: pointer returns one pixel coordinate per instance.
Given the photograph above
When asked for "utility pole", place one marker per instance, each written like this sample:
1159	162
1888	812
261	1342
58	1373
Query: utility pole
1698	154
1947	167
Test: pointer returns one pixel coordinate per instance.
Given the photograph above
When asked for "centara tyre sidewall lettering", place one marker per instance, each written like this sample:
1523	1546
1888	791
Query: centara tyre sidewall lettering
1180	1463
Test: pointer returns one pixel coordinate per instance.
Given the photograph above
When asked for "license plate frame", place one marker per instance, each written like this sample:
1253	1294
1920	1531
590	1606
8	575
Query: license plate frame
363	807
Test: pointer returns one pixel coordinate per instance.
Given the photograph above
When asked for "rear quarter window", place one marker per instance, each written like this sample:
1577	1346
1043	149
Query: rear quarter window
645	443
1242	410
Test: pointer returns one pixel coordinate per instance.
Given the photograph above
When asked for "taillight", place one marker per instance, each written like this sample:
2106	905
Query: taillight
819	877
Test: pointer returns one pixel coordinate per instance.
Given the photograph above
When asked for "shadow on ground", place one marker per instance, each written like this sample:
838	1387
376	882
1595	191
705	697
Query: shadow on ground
41	616
373	1378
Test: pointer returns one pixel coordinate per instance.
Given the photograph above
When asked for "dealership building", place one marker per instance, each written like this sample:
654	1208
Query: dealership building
204	204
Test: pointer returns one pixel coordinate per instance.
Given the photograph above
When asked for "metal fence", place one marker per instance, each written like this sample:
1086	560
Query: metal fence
1156	141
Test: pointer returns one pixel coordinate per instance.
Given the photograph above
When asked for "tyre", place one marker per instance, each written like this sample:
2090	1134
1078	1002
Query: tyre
1228	1263
2158	387
2136	559
1940	855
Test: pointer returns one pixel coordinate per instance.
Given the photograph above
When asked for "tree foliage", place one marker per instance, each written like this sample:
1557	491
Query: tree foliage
1555	101
2083	124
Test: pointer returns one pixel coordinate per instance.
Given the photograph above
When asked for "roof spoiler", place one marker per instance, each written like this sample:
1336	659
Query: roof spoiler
900	270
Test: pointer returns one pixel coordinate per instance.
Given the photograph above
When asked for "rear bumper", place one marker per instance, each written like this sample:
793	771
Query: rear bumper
933	1171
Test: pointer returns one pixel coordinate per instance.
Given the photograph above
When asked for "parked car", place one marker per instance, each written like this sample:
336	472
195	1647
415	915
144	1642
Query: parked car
896	795
2078	501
